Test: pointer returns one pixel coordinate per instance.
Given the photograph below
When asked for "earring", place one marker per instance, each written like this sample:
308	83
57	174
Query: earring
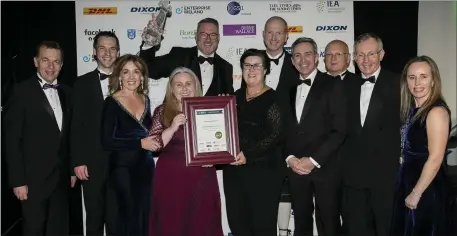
141	84
120	83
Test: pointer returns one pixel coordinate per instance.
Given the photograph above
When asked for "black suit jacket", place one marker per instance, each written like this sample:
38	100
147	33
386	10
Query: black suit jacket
88	101
322	127
162	66
370	155
36	150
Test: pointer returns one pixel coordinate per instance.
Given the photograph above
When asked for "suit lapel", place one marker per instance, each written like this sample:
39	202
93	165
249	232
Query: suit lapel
377	99
96	87
312	95
194	65
44	103
293	95
63	105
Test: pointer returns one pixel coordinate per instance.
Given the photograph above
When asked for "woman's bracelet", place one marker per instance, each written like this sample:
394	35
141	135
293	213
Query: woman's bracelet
415	193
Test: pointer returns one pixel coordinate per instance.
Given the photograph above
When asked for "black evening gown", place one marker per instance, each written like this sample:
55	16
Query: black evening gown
131	167
430	216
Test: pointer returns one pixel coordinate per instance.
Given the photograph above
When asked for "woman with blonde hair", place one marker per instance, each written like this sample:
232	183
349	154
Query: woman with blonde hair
186	200
125	126
421	196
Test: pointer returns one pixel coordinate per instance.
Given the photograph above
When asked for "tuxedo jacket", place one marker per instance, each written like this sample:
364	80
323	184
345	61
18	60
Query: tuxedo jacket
36	150
85	138
162	66
322	127
370	154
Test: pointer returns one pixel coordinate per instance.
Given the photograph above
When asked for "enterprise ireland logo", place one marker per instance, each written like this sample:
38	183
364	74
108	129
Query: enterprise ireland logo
234	30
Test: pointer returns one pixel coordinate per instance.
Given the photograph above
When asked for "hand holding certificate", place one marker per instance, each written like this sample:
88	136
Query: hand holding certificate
211	130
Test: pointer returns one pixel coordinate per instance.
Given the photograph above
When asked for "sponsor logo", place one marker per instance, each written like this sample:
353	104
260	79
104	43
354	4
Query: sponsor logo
88	58
92	33
322	52
100	11
285	7
295	29
331	28
329	6
187	34
192	10
144	10
235	8
234	30
288	49
234	54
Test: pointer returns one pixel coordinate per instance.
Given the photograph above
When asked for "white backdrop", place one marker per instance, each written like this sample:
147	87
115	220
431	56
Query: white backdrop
321	20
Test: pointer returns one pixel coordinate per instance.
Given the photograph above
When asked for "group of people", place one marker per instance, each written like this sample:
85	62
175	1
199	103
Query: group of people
363	154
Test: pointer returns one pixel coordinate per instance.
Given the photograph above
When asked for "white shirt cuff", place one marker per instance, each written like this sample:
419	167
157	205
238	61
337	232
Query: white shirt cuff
288	158
314	162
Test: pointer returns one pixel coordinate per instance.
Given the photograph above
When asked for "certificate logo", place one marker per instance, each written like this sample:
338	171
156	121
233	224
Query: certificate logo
100	11
218	135
295	29
236	30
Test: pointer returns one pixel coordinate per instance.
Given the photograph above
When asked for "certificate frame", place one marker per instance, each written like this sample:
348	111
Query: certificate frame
228	104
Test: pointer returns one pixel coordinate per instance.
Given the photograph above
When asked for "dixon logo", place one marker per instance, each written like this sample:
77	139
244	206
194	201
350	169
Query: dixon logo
100	11
332	28
144	9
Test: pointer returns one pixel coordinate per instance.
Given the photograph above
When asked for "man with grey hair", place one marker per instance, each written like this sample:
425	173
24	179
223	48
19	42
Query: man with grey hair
370	155
313	142
337	59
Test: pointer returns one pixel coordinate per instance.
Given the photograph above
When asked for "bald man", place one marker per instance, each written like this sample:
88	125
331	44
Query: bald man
337	59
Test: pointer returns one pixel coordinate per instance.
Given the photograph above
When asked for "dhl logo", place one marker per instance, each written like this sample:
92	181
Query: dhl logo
295	29
100	11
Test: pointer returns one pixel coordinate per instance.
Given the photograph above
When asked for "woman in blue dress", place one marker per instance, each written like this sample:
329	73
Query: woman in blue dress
421	196
125	126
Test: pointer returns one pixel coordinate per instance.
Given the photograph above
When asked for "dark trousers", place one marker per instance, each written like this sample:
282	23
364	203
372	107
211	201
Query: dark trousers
252	195
367	211
325	190
45	212
100	205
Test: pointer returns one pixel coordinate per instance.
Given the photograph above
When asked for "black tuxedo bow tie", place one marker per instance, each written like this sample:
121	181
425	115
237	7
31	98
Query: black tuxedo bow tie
50	86
103	76
306	81
276	61
371	79
202	60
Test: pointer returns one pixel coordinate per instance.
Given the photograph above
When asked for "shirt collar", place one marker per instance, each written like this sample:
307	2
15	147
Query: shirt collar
311	76
203	55
42	81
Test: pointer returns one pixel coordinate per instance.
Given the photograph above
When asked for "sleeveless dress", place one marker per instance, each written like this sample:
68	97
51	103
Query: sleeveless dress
430	216
185	200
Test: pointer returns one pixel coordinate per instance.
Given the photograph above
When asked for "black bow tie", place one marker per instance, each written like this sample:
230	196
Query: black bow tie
306	81
371	79
276	61
102	76
52	86
202	60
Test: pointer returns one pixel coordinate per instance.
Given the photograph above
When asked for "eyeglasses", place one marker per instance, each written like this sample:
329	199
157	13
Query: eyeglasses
370	55
248	66
212	36
337	55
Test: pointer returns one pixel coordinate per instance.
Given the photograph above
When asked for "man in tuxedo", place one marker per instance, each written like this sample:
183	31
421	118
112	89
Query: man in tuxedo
90	160
313	143
337	59
37	123
215	73
370	155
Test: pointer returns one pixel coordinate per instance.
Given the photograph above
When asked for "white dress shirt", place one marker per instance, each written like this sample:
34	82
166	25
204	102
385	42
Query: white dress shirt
207	72
104	83
365	95
300	99
53	98
272	79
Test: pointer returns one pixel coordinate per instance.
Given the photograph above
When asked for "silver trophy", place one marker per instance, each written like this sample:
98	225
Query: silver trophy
152	33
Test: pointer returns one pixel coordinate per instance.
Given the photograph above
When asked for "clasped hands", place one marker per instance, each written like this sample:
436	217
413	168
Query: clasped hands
301	166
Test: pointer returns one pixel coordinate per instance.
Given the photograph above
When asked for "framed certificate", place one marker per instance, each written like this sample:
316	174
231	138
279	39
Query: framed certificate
211	130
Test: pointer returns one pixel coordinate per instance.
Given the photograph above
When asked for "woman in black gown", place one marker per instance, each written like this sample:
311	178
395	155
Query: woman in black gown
421	196
253	183
125	121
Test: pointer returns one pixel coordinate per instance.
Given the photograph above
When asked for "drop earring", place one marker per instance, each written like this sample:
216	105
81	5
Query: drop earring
120	83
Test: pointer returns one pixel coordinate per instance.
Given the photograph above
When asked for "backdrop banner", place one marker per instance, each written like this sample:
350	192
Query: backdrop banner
241	27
